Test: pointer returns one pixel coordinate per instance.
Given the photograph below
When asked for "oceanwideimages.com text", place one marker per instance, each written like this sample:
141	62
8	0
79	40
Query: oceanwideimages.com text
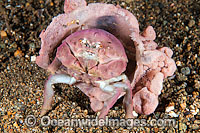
46	121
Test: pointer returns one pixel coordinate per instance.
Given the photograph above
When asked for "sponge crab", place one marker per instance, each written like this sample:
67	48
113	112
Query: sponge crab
100	50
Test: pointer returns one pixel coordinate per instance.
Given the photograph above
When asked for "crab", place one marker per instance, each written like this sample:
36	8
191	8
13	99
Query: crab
100	50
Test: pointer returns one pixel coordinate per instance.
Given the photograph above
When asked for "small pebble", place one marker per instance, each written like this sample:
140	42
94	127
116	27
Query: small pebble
164	22
9	113
191	23
15	124
32	47
198	60
3	34
185	70
51	4
194	126
183	105
169	108
2	45
182	127
156	130
33	58
5	117
189	89
195	111
20	121
27	4
85	112
128	1
135	114
197	121
197	84
18	53
172	114
178	63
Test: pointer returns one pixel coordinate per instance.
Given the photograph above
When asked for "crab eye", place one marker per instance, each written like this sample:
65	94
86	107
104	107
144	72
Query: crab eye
85	42
87	45
77	22
94	45
97	45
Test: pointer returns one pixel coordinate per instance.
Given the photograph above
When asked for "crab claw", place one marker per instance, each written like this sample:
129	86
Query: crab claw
49	92
101	100
117	86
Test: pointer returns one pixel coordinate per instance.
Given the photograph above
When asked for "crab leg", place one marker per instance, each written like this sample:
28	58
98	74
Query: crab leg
110	88
110	103
128	102
110	84
49	92
126	87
